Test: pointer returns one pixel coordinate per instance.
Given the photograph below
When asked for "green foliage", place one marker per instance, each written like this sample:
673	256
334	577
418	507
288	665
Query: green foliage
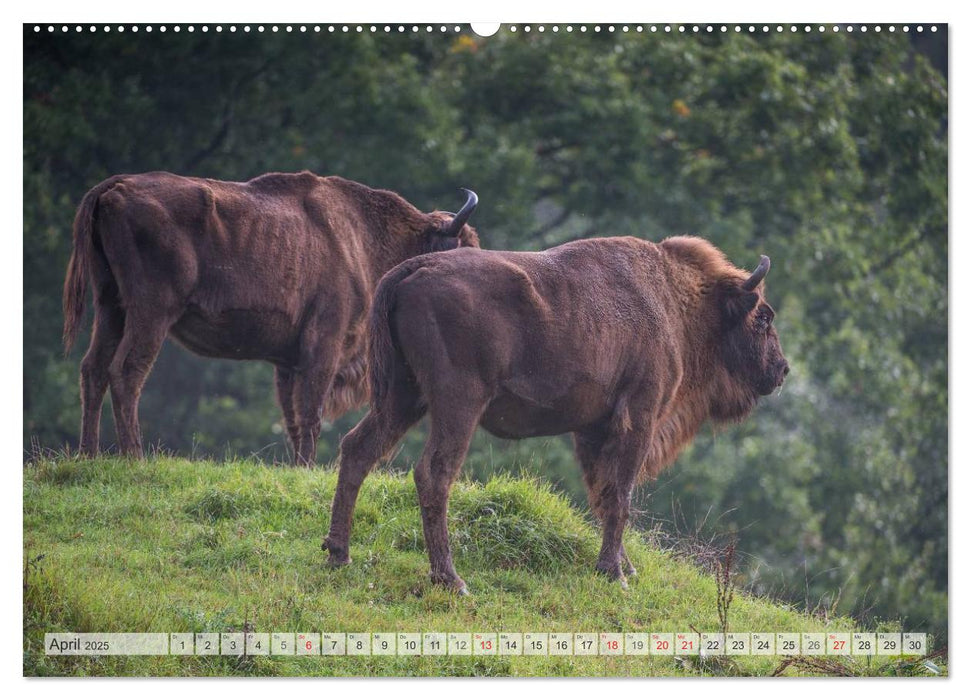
826	151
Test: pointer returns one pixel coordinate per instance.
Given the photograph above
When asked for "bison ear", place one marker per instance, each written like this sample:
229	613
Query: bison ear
739	304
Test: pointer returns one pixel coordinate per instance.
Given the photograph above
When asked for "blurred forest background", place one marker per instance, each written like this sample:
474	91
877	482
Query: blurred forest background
826	151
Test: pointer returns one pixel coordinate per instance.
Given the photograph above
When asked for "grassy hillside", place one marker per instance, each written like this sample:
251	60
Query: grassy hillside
170	545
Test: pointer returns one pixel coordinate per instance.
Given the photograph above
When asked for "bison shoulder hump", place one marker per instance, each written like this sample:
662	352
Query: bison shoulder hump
283	183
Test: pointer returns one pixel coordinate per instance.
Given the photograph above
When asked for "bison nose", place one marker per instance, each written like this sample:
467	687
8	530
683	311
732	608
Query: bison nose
785	370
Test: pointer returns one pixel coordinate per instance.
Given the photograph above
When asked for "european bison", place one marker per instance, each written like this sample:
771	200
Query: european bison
627	344
281	268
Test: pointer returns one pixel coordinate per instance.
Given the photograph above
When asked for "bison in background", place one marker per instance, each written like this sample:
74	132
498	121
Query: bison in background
627	344
281	268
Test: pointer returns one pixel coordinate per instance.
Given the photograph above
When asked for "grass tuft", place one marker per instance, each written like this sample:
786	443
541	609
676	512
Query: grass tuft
511	523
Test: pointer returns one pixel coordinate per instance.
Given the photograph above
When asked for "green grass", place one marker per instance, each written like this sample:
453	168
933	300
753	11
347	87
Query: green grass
170	545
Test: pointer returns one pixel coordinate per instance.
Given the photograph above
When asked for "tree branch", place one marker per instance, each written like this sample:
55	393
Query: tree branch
553	223
896	254
552	149
222	133
214	143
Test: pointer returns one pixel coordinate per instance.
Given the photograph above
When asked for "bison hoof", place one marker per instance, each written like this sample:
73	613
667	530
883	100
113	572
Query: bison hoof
450	581
629	569
614	572
336	555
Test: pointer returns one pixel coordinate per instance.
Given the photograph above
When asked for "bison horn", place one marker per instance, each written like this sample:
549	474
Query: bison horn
464	213
759	274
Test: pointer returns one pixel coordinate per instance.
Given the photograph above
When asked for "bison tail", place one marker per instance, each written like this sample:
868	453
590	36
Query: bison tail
384	358
79	267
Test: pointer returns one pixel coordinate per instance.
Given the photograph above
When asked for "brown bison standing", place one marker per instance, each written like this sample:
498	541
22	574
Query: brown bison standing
628	345
281	268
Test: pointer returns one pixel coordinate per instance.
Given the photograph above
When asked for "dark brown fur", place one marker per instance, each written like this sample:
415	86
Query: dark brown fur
628	345
281	268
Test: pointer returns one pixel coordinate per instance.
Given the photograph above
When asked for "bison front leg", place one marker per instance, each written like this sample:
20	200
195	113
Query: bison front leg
588	446
610	479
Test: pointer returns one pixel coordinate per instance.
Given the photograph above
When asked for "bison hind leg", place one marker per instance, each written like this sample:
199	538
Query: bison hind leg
452	427
109	326
141	342
369	442
284	393
626	563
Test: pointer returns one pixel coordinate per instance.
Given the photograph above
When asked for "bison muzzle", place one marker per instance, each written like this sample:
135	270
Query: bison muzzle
627	344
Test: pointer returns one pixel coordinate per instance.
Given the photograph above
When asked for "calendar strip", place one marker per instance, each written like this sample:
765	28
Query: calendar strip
282	644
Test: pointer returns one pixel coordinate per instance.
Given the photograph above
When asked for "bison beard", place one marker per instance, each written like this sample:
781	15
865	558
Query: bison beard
281	268
628	345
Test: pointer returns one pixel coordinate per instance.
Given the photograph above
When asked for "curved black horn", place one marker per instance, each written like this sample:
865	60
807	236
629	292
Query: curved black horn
464	213
759	274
